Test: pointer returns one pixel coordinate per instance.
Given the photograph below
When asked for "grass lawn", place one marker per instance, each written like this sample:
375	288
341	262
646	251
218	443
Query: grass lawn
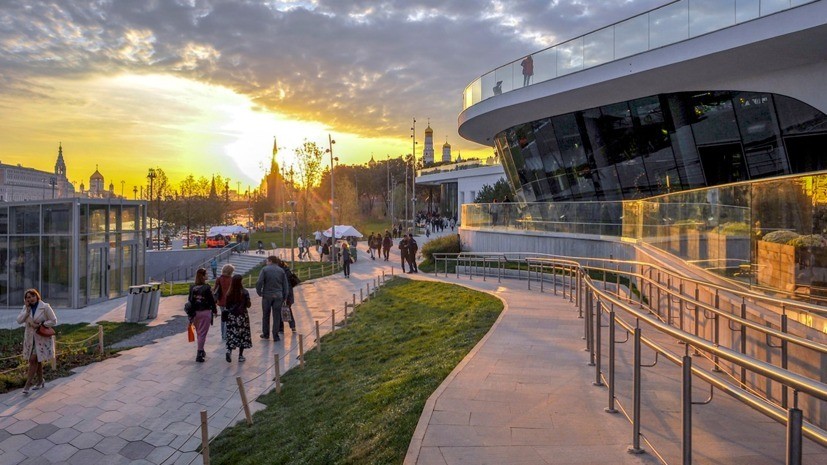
360	399
71	352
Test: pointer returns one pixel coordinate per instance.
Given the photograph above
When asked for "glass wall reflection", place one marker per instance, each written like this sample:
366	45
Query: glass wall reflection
662	143
76	252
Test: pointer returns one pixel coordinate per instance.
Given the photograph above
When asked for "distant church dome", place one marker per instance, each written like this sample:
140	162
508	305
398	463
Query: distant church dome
428	130
96	175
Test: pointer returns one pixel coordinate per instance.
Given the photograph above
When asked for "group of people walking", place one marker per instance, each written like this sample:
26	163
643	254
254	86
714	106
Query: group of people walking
226	298
231	300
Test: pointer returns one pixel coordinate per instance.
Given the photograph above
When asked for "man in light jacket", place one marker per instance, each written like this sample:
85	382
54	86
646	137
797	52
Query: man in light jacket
273	288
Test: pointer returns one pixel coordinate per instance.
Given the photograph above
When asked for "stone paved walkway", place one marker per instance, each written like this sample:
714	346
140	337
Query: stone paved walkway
144	405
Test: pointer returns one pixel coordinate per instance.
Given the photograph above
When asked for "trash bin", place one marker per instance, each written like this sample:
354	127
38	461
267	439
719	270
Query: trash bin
133	304
146	291
154	300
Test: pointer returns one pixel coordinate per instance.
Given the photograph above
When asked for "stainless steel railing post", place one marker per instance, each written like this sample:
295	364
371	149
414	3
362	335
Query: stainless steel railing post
542	278
795	420
571	282
743	342
784	354
554	277
590	330
669	301
697	316
635	448
598	350
686	410
681	306
611	408
716	331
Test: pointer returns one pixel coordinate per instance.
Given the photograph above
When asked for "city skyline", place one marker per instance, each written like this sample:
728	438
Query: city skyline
203	87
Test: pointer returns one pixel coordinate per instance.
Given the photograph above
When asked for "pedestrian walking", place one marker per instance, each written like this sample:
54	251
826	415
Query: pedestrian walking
272	286
202	310
370	246
412	248
38	343
403	251
346	260
387	243
222	286
325	251
214	267
294	281
238	319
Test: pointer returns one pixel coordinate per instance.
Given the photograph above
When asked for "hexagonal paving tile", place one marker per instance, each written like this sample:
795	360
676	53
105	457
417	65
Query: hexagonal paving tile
86	426
36	448
110	445
13	443
85	457
60	453
46	417
41	431
86	440
159	438
110	429
67	421
35	461
21	426
64	436
137	450
4	435
134	433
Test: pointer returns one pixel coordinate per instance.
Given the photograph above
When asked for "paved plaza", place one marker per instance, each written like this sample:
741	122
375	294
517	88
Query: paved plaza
523	395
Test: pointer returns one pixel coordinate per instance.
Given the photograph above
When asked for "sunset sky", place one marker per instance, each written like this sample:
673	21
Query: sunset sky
203	86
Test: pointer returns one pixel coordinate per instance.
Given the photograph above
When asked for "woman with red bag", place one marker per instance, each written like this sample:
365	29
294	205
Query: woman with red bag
38	343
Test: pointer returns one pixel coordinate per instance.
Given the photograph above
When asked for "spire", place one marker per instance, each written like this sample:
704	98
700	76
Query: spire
213	192
274	166
60	165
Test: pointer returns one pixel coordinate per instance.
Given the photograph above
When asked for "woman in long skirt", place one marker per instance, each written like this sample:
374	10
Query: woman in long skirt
238	320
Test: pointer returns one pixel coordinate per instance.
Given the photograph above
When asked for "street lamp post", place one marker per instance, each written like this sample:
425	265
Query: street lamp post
135	192
292	204
330	143
122	183
151	176
413	173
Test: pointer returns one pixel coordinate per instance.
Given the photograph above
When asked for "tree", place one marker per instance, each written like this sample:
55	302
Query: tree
308	171
500	191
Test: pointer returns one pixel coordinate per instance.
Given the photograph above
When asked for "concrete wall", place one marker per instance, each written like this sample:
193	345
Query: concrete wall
160	261
572	245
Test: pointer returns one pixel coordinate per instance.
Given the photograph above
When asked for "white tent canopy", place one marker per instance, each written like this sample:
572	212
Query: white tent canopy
343	230
227	230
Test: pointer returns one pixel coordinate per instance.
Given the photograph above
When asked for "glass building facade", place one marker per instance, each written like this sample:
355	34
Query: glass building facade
76	252
662	143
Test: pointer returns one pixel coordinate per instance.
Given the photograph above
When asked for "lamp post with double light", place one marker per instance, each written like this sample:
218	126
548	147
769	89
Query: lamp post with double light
151	177
333	160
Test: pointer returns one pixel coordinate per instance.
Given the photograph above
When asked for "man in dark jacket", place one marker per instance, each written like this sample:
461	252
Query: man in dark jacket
403	251
387	243
413	247
273	288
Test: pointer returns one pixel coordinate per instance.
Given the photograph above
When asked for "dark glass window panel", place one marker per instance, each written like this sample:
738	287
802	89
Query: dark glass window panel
582	185
760	135
130	220
807	152
504	150
532	154
569	140
633	179
4	220
4	273
797	117
57	278
723	163
553	164
24	267
57	218
713	119
25	219
662	171
607	185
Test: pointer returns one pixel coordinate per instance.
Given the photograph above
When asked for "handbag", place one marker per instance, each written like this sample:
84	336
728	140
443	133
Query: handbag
191	332
45	331
286	314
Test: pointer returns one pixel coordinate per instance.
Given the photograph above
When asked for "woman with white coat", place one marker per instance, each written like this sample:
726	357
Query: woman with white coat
36	348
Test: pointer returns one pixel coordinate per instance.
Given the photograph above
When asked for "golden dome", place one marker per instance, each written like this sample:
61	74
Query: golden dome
428	130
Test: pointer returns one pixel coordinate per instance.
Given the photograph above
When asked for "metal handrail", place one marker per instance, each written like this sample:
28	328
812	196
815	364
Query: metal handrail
787	378
189	270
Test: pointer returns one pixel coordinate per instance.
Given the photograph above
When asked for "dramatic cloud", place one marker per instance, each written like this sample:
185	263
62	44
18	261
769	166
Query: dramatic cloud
363	67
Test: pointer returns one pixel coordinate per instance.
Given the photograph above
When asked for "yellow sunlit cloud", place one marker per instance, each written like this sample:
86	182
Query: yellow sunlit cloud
125	124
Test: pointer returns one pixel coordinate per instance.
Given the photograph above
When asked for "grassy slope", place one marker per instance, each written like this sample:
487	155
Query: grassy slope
360	399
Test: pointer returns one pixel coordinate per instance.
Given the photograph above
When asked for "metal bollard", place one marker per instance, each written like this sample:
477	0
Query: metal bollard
795	420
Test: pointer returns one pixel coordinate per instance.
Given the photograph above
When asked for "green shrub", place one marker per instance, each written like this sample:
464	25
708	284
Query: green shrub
445	244
734	229
780	237
802	242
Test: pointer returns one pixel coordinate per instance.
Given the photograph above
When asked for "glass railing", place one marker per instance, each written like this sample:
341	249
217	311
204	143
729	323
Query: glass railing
675	22
769	233
601	218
